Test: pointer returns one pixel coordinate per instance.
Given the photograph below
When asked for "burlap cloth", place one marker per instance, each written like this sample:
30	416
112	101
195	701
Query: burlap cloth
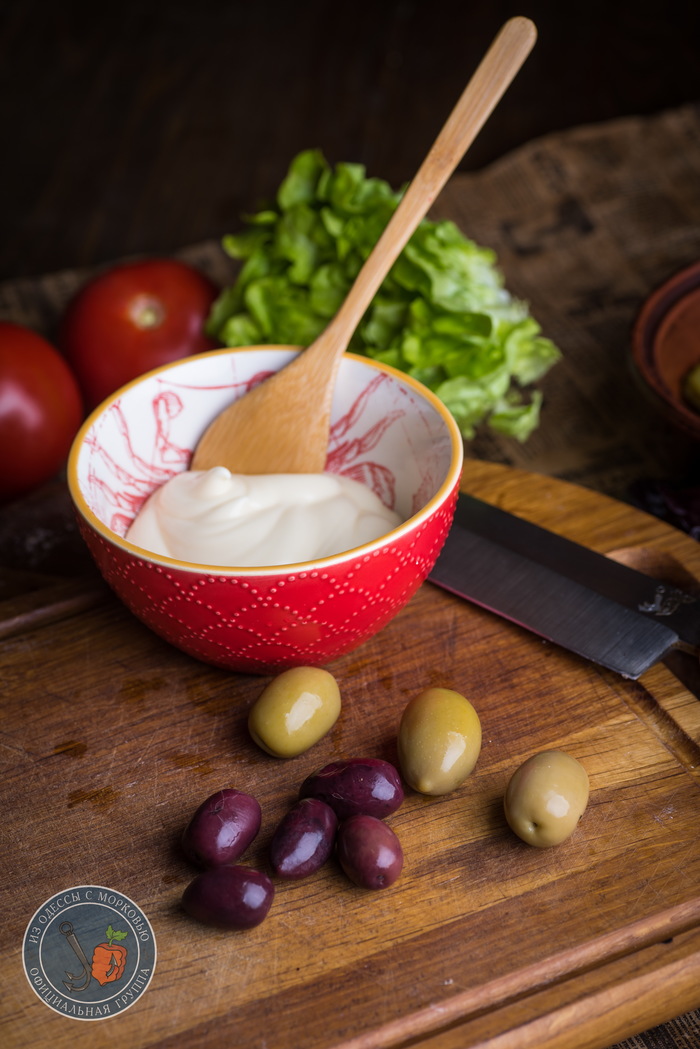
586	223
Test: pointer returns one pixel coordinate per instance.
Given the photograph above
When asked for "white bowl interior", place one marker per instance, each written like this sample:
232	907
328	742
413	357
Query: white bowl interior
387	431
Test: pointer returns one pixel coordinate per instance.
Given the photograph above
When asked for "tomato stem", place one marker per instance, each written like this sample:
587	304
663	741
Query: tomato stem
146	312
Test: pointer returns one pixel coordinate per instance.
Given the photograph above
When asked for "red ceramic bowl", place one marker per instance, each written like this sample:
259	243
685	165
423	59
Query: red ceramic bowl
665	346
387	430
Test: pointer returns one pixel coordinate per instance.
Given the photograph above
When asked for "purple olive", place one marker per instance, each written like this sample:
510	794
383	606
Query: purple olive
222	828
304	839
358	785
369	852
229	897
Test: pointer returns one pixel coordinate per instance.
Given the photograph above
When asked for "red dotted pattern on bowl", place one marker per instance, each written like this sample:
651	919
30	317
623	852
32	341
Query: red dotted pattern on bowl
248	624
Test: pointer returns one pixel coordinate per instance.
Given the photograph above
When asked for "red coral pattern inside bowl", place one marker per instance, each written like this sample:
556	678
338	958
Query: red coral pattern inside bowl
388	432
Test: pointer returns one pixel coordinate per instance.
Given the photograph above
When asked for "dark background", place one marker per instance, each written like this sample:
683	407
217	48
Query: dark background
144	127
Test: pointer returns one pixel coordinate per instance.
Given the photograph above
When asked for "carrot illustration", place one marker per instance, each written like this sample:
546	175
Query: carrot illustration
109	959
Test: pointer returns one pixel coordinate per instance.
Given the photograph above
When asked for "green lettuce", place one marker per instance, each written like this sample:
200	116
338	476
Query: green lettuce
442	315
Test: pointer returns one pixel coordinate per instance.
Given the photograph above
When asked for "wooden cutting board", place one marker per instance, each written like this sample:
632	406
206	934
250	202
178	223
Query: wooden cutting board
111	738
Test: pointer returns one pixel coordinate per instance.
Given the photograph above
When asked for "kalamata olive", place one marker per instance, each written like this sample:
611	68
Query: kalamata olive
222	828
295	711
304	839
369	852
546	797
439	741
229	897
356	785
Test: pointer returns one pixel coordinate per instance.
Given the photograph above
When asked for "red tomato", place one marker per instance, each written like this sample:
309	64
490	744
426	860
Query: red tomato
40	410
134	317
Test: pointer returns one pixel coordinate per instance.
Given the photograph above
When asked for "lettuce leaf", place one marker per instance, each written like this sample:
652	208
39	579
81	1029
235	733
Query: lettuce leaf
443	314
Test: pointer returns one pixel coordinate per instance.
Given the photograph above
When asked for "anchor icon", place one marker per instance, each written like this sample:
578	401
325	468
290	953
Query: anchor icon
79	981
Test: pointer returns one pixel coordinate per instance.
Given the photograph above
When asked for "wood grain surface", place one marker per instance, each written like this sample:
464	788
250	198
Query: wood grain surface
111	738
140	127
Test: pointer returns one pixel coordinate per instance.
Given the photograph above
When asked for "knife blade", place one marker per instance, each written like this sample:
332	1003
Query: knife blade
564	592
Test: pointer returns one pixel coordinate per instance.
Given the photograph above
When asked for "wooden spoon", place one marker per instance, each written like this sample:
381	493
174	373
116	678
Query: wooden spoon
282	425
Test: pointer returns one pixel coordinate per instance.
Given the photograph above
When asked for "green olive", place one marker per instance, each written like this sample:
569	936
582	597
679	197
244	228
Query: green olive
546	798
295	711
691	387
439	741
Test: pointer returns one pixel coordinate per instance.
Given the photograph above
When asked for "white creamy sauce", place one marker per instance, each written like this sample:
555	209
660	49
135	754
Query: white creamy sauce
214	517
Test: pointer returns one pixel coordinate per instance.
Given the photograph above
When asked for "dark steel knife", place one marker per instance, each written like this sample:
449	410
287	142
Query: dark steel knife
564	592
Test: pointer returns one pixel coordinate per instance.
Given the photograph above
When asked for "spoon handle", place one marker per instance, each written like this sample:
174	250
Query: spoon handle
492	77
282	425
